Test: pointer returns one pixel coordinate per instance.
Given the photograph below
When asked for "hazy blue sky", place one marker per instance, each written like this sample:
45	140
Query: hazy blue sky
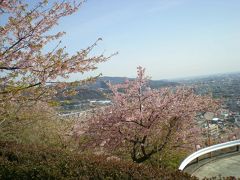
170	38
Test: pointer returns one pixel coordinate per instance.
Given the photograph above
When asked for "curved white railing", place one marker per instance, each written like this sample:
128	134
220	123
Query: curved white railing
207	150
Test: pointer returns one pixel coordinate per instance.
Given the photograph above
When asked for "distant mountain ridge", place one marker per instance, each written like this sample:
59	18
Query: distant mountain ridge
99	90
102	82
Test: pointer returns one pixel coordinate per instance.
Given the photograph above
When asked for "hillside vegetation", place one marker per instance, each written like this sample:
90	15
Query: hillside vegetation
18	161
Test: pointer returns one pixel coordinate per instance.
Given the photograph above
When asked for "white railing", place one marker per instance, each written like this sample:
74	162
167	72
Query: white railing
207	150
70	114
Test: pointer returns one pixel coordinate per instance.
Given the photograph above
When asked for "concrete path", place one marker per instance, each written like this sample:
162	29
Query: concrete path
227	166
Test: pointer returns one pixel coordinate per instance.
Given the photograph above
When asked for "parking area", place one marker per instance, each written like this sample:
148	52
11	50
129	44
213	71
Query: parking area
227	166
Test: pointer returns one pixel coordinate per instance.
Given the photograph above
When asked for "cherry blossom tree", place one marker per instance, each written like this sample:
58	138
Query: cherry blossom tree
146	121
28	70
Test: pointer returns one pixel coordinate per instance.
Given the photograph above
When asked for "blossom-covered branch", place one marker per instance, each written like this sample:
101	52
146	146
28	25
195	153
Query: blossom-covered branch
26	65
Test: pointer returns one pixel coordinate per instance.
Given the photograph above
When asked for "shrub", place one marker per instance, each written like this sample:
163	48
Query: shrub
37	162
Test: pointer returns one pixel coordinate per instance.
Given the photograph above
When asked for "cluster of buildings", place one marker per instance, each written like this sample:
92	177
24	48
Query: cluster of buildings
221	126
225	124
